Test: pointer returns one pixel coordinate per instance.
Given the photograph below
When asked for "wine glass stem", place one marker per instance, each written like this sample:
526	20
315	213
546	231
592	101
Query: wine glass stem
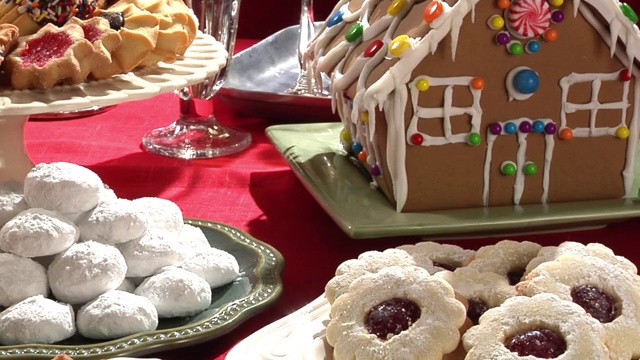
306	30
195	109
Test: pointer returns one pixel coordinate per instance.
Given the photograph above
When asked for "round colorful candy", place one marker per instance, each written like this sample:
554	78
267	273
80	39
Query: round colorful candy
530	168
375	170
629	12
516	48
475	139
362	156
417	139
356	147
396	7
508	168
550	129
529	18
510	128
477	83
495	128
364	117
538	126
335	19
423	85
399	45
566	134
496	22
625	75
557	16
503	38
345	135
433	11
525	127
526	81
533	46
622	132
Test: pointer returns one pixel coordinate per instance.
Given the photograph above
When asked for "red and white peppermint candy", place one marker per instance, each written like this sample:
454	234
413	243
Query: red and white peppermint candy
529	18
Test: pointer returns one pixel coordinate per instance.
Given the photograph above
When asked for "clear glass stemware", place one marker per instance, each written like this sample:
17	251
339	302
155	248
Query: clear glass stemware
197	133
305	85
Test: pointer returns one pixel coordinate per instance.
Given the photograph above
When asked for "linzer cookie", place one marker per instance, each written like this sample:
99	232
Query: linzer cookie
508	258
398	313
482	291
539	327
367	262
436	257
608	293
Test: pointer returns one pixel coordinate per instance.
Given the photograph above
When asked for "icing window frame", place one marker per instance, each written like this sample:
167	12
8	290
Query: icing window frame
593	105
446	112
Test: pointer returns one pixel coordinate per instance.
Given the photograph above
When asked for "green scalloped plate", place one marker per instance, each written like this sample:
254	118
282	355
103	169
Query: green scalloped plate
258	286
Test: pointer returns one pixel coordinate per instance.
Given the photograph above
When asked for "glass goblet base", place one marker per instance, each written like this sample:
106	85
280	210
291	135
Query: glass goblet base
191	139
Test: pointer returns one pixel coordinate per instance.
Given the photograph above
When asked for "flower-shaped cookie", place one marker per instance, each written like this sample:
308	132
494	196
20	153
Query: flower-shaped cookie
367	262
608	293
483	291
593	249
399	313
507	257
436	257
561	329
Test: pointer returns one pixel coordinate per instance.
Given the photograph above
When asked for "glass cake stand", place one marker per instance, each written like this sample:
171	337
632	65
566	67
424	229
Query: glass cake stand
204	58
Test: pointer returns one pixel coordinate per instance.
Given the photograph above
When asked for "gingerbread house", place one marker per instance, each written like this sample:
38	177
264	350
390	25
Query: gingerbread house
475	103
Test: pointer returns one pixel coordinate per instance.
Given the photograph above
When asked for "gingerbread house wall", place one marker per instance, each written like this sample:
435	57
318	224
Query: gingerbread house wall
452	175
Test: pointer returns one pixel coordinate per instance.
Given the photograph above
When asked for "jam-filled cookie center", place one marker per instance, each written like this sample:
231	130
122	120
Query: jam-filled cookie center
391	317
596	302
539	342
477	307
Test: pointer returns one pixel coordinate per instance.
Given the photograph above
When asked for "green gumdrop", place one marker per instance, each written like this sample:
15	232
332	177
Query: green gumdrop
354	33
629	12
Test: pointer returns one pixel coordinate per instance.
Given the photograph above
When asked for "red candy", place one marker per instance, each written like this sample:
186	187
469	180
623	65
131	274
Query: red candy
373	48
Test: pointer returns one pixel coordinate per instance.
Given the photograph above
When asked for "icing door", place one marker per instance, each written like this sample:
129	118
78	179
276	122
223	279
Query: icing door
517	163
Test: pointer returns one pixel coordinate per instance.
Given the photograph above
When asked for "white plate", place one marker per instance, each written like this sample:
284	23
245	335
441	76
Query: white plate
298	336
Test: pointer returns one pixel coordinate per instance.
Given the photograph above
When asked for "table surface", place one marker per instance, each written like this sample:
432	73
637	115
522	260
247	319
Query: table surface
254	190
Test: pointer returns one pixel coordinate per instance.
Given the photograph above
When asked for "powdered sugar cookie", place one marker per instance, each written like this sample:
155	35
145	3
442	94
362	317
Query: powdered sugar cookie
116	314
558	328
38	232
62	187
11	201
399	313
483	291
113	222
36	320
608	293
176	292
507	257
436	257
21	278
150	253
593	249
162	214
367	262
85	271
216	266
193	237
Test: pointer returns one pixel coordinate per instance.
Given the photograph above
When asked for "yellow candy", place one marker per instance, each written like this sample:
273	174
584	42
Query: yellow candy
365	117
399	45
496	22
622	132
396	7
345	135
556	3
423	85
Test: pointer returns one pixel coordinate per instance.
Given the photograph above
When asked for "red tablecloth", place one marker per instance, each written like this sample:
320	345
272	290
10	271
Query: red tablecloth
255	191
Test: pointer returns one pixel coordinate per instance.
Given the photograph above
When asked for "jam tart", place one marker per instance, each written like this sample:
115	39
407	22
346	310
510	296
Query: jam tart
608	293
436	257
592	249
52	55
367	262
482	291
399	313
507	257
539	327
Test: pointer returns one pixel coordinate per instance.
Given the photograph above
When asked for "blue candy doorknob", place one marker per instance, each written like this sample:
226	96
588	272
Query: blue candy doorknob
526	81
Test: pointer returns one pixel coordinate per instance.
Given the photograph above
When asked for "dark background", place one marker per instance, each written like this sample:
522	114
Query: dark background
261	18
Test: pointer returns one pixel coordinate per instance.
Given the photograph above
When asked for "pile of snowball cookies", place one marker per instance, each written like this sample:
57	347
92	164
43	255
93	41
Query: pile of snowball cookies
75	257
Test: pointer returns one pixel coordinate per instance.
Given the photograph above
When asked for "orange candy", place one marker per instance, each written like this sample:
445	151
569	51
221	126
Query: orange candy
566	134
433	11
477	83
362	156
503	4
551	35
